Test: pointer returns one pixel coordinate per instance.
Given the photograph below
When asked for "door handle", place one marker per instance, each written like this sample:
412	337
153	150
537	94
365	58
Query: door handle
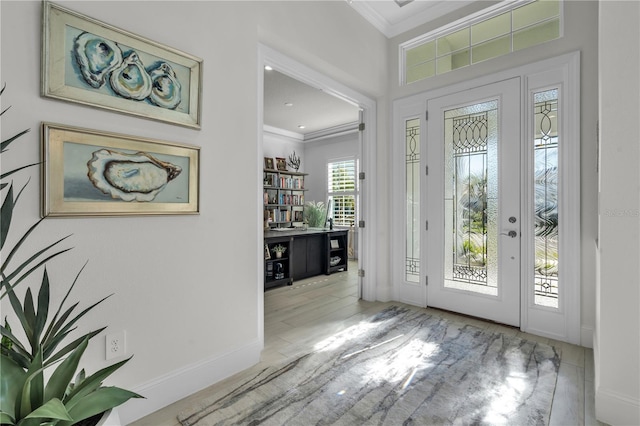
511	233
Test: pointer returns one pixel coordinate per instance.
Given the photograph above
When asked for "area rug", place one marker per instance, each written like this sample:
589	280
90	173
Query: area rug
400	367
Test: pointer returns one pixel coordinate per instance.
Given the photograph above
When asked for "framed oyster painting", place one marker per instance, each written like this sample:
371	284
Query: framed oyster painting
93	173
93	63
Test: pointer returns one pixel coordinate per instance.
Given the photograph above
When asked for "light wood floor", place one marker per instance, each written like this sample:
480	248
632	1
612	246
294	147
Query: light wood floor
298	316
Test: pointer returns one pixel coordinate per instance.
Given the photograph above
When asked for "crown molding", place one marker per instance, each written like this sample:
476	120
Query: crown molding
298	137
343	129
434	11
332	132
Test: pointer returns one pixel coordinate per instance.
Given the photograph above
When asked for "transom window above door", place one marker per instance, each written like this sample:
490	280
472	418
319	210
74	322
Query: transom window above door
502	29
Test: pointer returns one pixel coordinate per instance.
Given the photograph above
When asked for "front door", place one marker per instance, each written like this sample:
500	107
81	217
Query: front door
473	214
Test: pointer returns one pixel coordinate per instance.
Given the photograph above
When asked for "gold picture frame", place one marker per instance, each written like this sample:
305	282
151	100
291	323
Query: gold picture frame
281	163
84	61
94	173
268	163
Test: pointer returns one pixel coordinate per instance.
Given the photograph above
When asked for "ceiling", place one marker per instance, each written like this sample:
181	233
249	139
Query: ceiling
288	103
394	17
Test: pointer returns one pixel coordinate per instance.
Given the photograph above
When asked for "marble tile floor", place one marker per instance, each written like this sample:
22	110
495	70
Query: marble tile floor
298	316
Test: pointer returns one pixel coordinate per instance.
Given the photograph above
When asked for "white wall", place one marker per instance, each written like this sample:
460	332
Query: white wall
580	33
617	342
320	153
191	307
277	145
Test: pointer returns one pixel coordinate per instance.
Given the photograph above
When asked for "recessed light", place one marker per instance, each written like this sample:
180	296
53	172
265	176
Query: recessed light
301	127
288	104
268	68
402	3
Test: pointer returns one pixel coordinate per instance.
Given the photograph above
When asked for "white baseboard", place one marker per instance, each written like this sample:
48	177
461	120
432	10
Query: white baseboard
616	409
586	336
181	383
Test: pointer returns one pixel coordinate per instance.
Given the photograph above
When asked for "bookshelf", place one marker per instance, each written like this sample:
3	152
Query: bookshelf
337	258
283	198
277	270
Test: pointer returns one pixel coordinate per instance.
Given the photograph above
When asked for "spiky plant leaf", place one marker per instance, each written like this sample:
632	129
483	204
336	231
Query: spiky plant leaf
9	282
97	402
12	347
91	383
6	214
4	145
52	357
6	342
63	374
43	309
29	312
52	409
32	392
22	384
12	381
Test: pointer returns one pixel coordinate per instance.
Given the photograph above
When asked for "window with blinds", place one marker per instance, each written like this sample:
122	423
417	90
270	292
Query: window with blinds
342	187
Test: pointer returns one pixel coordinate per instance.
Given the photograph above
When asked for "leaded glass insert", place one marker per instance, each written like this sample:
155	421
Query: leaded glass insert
412	167
545	146
471	143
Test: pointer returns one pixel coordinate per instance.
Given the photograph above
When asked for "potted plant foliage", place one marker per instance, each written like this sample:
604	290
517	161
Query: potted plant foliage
315	214
66	396
278	250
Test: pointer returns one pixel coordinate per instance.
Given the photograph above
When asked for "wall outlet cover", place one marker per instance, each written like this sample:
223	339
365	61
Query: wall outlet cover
116	345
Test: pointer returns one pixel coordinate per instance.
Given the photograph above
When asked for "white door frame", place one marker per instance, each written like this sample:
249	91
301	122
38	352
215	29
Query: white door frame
561	71
368	164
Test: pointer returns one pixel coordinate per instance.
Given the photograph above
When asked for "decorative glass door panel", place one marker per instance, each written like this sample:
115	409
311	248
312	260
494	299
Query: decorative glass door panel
412	175
545	147
471	141
473	209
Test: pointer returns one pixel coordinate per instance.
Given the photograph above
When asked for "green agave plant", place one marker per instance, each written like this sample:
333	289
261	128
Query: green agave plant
26	398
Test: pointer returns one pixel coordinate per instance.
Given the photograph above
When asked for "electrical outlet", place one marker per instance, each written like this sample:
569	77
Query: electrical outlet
116	344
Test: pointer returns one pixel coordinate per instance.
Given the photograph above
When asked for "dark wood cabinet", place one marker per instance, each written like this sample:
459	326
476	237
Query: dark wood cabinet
308	256
277	270
336	251
308	253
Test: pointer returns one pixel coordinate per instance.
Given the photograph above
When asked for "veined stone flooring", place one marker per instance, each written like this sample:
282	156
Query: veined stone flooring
298	316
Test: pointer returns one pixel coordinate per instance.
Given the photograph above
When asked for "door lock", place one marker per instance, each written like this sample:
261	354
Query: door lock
512	219
511	233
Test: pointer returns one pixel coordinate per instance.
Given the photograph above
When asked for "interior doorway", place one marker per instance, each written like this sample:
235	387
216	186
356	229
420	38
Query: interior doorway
366	239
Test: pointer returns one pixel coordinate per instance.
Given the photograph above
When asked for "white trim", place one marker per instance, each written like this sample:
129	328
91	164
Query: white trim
615	408
185	381
368	158
586	336
332	132
296	137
